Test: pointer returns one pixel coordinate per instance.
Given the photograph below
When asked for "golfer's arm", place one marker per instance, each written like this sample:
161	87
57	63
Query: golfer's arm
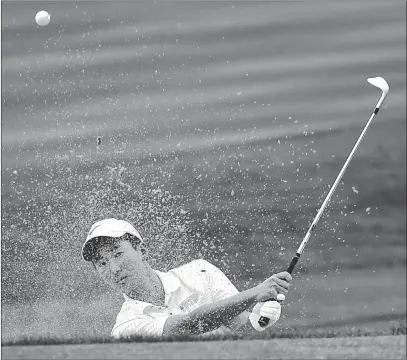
240	323
211	316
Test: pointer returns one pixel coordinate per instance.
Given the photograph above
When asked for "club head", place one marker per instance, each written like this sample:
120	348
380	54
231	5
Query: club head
380	83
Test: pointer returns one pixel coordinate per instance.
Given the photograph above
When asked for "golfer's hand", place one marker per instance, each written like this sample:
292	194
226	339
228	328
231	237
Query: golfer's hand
274	285
271	310
268	309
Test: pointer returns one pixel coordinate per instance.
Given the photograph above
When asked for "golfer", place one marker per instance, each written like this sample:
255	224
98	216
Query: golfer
195	298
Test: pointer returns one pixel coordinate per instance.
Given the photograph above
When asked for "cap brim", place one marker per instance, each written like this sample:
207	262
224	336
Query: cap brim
108	228
87	254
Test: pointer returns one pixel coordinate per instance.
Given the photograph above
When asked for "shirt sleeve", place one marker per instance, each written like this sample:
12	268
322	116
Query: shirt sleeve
221	288
131	323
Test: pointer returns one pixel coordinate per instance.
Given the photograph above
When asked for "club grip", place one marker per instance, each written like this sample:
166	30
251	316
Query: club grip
293	262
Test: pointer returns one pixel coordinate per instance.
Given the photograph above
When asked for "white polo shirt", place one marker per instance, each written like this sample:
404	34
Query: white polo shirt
186	288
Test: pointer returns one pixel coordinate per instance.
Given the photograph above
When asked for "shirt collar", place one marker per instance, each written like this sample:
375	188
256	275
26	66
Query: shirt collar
170	282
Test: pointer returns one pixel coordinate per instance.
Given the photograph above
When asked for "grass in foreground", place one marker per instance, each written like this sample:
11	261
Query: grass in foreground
368	347
397	328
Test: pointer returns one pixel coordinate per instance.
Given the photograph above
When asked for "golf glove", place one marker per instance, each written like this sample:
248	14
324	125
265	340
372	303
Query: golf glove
269	309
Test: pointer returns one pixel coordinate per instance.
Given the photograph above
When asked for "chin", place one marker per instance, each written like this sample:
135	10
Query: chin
118	287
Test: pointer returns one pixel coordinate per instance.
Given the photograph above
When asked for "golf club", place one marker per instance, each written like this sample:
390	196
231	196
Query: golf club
381	84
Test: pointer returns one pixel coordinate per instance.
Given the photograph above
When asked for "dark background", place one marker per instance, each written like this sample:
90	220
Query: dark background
223	125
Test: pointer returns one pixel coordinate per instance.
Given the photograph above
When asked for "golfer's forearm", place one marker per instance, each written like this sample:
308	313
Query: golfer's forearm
211	316
239	322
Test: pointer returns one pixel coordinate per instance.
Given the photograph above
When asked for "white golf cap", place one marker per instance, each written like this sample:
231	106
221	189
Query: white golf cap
108	228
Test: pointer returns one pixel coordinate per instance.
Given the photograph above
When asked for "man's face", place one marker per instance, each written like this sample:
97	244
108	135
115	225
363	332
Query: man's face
119	264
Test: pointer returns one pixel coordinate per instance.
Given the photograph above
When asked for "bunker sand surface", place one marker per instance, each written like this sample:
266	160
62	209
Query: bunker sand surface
381	347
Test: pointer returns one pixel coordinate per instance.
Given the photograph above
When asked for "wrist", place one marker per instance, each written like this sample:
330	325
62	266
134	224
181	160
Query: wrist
262	293
253	297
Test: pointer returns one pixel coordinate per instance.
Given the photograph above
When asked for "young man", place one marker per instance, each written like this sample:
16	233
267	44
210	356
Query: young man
196	298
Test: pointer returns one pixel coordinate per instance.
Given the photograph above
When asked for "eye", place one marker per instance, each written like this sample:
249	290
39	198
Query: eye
100	263
118	254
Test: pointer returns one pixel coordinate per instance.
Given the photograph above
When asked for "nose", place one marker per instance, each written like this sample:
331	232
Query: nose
114	268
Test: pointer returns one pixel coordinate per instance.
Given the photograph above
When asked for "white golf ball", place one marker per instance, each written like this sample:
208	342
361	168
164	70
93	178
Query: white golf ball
280	297
42	18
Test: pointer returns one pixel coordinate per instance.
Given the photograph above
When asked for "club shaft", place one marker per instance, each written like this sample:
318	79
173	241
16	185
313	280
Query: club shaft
263	321
330	193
